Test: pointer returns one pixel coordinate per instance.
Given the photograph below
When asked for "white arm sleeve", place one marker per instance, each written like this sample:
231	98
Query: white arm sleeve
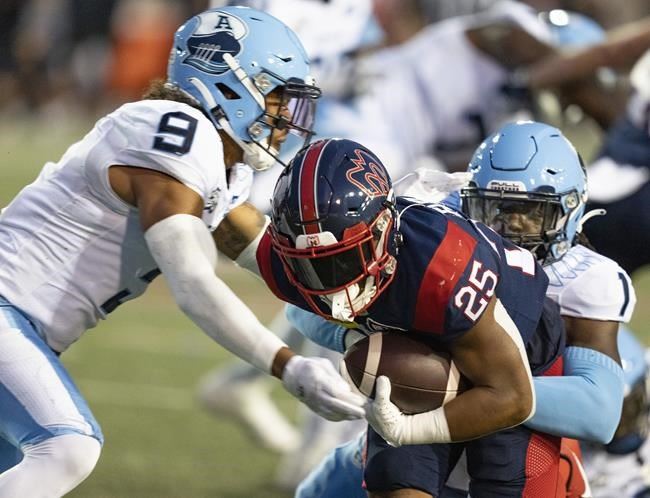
247	259
186	254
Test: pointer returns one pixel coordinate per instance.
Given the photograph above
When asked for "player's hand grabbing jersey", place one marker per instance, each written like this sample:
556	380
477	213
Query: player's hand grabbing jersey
71	249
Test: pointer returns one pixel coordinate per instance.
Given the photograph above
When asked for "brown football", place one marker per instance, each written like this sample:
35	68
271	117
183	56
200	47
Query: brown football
422	378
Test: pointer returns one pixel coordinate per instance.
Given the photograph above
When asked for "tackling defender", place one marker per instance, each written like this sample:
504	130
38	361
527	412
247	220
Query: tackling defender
533	191
138	196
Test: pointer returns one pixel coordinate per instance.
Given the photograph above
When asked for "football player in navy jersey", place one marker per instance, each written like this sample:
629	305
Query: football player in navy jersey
340	245
529	183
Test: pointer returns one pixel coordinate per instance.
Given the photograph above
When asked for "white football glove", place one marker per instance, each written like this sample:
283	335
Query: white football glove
397	428
315	382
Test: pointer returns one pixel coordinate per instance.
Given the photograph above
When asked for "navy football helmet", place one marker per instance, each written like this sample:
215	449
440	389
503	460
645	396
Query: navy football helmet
530	185
332	215
228	60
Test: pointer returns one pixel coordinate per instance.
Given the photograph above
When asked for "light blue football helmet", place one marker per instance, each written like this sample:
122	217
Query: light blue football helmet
529	184
572	29
228	60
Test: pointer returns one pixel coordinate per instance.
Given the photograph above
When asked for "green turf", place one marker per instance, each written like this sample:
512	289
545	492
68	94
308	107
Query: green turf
138	371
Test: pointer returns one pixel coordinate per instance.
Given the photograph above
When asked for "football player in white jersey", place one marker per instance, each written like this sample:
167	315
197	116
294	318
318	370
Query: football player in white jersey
139	195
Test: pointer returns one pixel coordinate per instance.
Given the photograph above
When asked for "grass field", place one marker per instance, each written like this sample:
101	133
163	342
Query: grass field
139	369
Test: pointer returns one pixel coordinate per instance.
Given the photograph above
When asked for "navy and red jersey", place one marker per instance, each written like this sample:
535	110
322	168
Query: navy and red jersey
448	267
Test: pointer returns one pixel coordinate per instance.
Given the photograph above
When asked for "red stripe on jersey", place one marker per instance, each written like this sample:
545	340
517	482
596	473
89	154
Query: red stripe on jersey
445	268
263	256
543	456
556	368
308	209
542	466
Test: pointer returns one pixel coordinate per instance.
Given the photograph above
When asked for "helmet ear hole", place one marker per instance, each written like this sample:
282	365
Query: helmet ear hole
228	92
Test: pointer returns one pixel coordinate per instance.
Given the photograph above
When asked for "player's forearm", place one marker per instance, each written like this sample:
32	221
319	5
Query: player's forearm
280	361
473	414
562	69
604	105
622	48
585	403
185	253
241	226
247	258
227	320
482	410
493	357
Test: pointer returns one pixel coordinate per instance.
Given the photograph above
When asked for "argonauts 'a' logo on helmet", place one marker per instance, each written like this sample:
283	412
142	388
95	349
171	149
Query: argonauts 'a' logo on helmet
218	34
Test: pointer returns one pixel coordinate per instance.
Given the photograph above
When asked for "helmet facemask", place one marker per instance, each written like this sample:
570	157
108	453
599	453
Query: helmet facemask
533	220
346	276
294	113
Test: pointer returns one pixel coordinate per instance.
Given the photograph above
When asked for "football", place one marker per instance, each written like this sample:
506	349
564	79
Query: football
422	378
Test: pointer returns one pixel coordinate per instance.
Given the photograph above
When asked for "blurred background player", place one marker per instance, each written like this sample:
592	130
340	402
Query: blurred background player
153	188
624	156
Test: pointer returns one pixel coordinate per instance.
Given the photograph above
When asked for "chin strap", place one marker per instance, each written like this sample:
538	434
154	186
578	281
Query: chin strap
346	302
257	155
587	216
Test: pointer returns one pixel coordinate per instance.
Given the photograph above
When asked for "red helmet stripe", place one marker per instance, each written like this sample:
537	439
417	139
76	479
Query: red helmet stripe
308	186
264	256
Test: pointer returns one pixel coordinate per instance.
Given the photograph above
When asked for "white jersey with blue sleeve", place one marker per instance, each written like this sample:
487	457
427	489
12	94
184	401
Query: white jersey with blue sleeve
71	249
588	285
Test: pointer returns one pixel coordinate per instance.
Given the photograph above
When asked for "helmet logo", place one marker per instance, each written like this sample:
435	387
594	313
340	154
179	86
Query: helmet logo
313	240
507	186
367	175
218	34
